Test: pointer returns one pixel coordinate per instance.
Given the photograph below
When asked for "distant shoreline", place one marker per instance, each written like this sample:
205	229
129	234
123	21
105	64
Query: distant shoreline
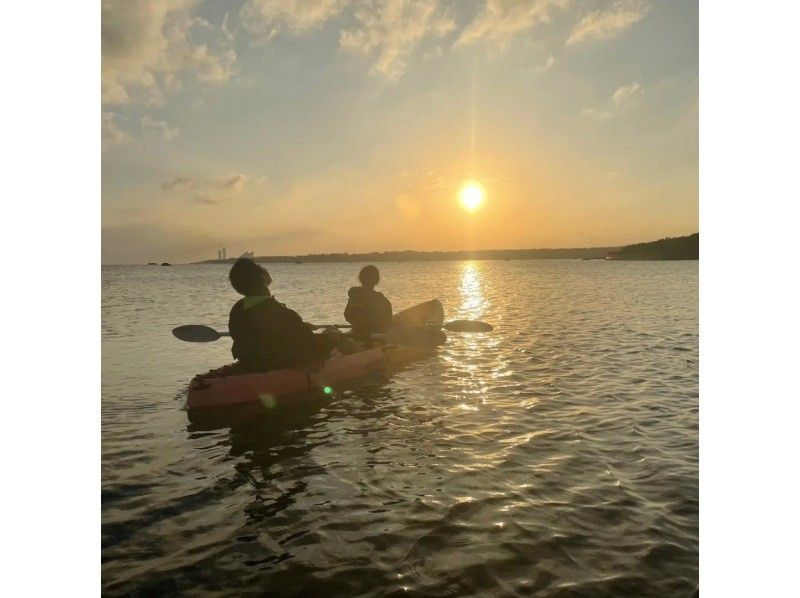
428	256
668	249
671	248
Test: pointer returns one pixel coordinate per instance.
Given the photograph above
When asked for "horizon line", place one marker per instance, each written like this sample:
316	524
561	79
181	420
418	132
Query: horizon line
452	254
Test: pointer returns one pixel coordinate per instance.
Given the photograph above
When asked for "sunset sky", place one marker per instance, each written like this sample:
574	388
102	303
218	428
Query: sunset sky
306	126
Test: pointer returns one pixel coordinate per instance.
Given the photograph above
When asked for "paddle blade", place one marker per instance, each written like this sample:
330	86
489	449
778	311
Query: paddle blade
468	326
195	333
416	336
430	313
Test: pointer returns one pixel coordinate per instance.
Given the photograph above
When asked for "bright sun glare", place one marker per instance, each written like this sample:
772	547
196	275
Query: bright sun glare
471	196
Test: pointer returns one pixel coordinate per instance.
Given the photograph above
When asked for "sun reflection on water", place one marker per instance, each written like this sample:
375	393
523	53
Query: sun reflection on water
473	303
480	373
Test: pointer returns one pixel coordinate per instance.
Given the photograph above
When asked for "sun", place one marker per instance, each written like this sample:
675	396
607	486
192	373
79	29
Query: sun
471	196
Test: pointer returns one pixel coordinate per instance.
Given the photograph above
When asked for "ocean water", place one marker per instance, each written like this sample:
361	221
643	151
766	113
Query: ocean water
555	456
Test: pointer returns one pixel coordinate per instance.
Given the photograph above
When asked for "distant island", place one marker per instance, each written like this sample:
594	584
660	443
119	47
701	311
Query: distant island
671	248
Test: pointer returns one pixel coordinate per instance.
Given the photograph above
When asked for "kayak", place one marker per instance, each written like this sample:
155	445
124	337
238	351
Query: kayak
228	386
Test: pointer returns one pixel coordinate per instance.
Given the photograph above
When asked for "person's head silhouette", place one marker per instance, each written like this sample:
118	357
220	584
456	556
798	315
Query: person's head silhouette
369	276
248	278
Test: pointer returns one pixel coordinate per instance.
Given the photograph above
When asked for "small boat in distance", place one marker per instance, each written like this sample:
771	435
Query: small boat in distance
166	264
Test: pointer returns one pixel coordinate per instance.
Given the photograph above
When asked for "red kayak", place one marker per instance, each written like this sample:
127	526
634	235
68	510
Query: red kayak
229	386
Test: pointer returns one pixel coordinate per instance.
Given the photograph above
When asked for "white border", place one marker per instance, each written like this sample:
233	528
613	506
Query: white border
749	172
51	298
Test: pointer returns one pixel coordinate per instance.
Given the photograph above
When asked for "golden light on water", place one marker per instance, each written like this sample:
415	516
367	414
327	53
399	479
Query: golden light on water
472	300
471	196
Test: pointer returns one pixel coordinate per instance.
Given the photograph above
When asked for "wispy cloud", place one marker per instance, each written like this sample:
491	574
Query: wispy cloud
623	96
502	20
608	23
148	46
389	31
266	18
598	114
547	65
234	182
112	133
167	131
626	93
209	191
177	183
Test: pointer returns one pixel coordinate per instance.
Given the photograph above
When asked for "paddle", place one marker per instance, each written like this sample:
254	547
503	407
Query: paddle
454	326
416	336
197	333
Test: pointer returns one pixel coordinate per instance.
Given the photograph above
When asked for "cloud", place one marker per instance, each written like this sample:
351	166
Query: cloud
112	134
197	191
623	96
204	198
163	128
265	18
177	183
608	23
626	93
502	20
546	66
598	114
390	30
210	191
414	181
235	183
149	46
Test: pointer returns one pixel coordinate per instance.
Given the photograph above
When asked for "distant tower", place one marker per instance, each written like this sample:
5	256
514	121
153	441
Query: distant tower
219	254
224	255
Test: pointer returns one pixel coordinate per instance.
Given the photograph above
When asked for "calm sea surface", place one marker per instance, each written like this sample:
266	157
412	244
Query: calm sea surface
555	456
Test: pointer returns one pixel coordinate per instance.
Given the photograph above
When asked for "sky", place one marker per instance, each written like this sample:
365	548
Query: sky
310	126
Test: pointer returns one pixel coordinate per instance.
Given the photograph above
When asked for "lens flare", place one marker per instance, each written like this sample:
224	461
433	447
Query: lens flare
268	400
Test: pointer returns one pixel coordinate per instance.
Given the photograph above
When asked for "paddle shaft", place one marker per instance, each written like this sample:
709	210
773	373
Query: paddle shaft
414	336
198	333
454	326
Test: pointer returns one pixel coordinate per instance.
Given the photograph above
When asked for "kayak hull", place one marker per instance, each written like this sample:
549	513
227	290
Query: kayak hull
227	386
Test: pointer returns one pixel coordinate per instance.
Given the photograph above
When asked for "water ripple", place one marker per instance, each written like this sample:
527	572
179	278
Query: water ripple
556	456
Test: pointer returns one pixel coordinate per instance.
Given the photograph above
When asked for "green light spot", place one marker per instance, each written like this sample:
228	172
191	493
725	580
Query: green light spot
327	390
268	401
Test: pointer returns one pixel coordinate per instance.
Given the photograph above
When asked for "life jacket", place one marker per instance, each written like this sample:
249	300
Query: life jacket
268	335
368	311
